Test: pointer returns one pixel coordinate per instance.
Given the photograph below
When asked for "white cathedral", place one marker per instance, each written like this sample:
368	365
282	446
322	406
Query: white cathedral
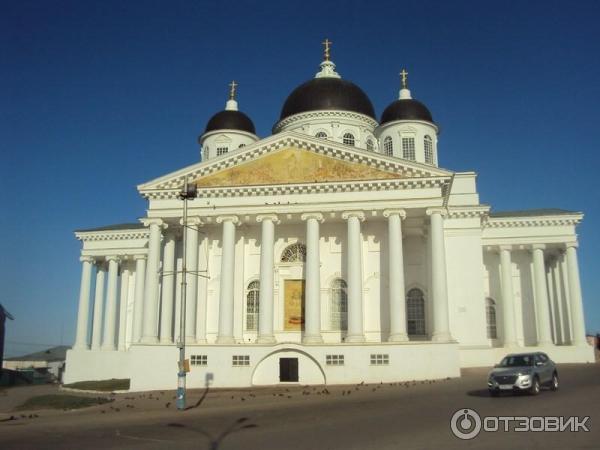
334	251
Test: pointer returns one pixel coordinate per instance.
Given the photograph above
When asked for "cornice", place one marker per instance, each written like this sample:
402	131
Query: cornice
324	114
518	222
120	235
468	213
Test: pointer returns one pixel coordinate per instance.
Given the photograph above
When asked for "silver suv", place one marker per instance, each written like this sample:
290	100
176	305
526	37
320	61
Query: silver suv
521	372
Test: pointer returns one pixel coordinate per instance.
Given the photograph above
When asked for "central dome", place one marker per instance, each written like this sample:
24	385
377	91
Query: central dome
321	94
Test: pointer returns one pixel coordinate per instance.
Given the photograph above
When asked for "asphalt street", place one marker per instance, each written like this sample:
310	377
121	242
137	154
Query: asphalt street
378	416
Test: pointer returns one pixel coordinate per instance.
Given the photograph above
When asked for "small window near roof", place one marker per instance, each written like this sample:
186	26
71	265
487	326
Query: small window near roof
321	135
428	143
348	139
388	146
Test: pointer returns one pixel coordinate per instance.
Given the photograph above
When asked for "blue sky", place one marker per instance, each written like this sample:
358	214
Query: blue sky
96	97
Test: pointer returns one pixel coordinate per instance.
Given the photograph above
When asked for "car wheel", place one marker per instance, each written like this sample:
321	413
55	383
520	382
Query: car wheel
554	382
494	393
535	386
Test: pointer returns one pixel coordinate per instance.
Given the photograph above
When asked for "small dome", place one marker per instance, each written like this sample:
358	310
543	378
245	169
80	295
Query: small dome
230	120
406	109
327	94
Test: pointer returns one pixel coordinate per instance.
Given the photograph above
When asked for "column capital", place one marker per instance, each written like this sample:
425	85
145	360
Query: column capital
89	259
271	217
312	215
573	244
441	211
137	257
116	258
537	247
502	248
360	215
233	219
192	221
147	221
392	212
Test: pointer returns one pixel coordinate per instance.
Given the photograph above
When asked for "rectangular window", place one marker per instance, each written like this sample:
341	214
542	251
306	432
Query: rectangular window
222	150
380	359
334	360
408	148
241	360
199	360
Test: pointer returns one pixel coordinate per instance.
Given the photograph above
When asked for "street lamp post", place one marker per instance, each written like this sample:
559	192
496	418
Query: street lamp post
189	191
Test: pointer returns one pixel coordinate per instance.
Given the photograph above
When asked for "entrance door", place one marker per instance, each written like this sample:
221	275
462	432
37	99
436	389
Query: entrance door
288	369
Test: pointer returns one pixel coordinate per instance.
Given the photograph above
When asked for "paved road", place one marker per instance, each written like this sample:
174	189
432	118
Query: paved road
369	417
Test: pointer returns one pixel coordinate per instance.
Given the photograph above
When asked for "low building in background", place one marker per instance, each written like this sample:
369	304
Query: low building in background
40	367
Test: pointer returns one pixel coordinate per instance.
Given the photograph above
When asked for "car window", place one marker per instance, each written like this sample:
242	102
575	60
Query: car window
543	358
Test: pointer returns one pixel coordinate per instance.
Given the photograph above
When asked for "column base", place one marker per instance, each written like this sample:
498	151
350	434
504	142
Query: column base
81	347
357	338
266	340
315	339
166	341
398	337
108	348
149	340
200	341
225	340
441	337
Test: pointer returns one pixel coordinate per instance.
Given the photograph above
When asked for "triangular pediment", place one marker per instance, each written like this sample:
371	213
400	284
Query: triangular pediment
293	166
291	158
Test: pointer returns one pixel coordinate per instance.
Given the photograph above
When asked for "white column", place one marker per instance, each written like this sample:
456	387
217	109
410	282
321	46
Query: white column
168	289
563	275
575	300
110	311
202	290
439	284
150	323
396	276
138	301
83	315
265	299
98	305
123	299
354	281
555	300
508	307
541	296
191	293
312	298
225	335
558	299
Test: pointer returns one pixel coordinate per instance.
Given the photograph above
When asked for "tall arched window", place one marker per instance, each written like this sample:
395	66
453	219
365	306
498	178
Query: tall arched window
490	316
348	139
388	146
294	253
415	312
252	305
321	135
370	145
428	144
339	304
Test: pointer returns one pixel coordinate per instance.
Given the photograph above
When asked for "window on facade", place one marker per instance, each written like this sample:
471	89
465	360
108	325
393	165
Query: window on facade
334	360
198	360
294	253
339	305
380	359
240	360
370	145
348	139
242	145
490	315
415	312
206	153
222	150
321	135
252	305
428	145
408	148
388	146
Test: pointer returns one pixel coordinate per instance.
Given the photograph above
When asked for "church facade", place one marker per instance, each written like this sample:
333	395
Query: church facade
334	251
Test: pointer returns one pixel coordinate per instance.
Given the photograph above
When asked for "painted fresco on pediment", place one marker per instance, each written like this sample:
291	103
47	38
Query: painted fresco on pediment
291	166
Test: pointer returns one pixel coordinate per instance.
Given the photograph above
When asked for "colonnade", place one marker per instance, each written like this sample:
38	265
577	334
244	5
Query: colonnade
149	308
550	314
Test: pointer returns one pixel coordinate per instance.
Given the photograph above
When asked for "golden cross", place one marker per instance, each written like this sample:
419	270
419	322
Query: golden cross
232	87
404	75
327	43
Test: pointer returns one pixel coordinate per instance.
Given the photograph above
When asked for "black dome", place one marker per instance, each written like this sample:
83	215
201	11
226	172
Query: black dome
406	109
327	93
230	120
